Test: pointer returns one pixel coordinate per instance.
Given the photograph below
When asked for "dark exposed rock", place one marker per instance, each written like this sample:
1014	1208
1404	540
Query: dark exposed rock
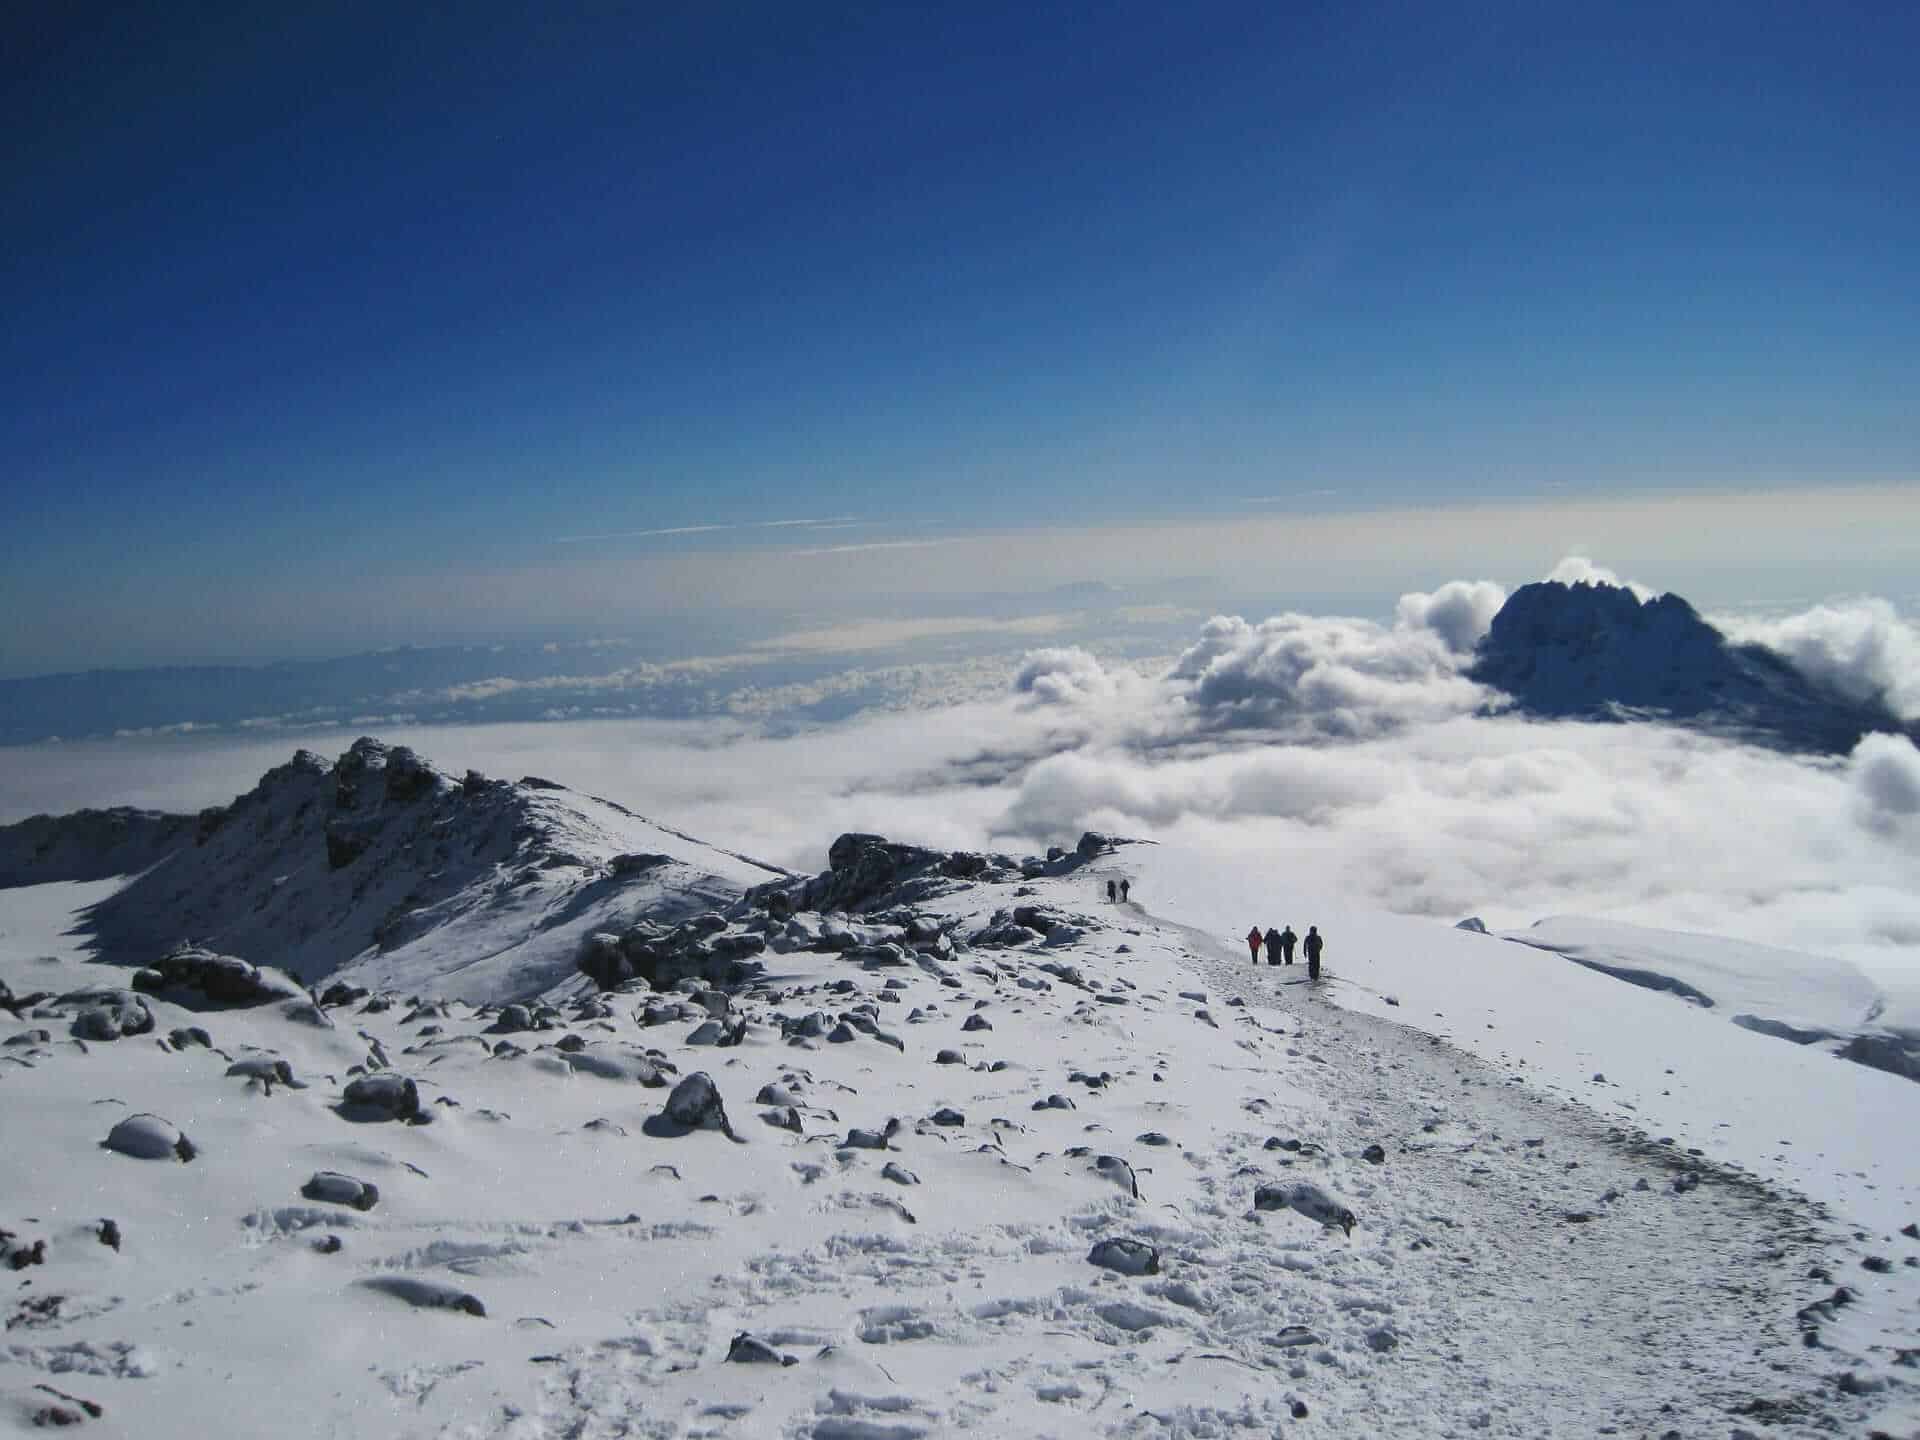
334	1188
270	1069
1127	1257
1113	1168
873	1139
750	1349
383	1096
426	1294
109	1014
1374	1155
212	978
149	1137
695	1104
18	1254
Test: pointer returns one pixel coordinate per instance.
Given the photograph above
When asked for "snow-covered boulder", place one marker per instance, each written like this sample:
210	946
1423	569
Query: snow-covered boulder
149	1137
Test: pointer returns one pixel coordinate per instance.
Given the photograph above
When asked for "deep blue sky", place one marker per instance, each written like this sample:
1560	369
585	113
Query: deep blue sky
372	295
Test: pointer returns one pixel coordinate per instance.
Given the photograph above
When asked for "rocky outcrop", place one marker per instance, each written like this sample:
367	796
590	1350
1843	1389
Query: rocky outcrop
867	872
209	978
661	956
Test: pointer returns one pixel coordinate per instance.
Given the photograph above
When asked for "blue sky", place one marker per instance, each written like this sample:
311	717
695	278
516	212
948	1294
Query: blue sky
304	309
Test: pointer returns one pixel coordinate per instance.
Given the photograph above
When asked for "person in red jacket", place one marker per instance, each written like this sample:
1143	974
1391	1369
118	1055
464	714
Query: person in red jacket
1253	943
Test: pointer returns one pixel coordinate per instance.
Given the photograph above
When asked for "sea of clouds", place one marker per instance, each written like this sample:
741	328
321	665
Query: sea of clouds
1355	755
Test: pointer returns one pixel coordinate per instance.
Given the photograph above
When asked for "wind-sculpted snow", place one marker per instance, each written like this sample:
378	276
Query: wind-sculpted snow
1152	1192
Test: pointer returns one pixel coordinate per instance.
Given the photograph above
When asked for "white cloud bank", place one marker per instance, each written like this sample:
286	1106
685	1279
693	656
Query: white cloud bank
1352	756
1862	648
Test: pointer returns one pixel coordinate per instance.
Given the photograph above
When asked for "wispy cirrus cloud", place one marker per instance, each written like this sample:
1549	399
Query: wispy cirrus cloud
831	522
880	545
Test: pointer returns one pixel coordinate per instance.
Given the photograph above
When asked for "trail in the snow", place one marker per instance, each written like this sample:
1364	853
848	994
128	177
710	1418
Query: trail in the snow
1586	1291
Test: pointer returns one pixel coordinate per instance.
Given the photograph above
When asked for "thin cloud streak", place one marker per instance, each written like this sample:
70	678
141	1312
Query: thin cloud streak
833	522
877	545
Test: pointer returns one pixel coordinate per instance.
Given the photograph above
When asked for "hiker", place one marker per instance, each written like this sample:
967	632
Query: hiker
1314	943
1111	888
1273	946
1123	891
1253	943
1287	941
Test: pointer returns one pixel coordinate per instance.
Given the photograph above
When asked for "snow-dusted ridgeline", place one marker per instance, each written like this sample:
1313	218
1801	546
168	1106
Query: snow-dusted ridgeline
377	868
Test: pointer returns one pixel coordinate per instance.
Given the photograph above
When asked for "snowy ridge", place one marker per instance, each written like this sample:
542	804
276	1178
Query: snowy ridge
1595	651
379	869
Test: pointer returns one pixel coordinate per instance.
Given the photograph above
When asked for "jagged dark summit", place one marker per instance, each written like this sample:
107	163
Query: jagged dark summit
1599	652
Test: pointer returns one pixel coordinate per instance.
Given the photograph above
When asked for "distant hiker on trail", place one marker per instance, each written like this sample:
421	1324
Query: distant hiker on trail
1123	892
1273	946
1287	941
1253	943
1314	943
1111	890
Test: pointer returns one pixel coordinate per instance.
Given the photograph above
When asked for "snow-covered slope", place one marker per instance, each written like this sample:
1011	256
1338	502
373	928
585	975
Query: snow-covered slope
1008	1161
1833	1131
1598	652
379	869
1808	999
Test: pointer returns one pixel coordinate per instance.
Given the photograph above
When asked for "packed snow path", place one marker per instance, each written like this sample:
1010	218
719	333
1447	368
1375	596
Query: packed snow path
1587	1295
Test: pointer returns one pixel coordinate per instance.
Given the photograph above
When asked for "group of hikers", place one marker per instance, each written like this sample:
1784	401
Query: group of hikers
1280	945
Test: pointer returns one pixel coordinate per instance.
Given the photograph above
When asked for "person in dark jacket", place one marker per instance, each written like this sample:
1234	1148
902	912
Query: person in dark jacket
1313	947
1125	885
1112	891
1287	941
1253	943
1273	946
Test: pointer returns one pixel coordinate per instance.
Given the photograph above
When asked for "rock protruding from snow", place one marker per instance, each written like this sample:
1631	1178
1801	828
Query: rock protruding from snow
383	1096
426	1294
750	1349
1127	1257
698	948
212	978
695	1104
149	1137
1473	923
1308	1199
334	1188
108	1014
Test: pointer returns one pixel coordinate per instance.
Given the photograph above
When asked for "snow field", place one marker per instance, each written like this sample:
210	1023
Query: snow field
618	1265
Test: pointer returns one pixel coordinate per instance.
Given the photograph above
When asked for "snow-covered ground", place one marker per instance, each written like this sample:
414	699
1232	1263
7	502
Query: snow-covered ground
548	1258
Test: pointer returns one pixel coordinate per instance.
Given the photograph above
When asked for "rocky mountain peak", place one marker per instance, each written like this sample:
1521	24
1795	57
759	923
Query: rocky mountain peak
1594	651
